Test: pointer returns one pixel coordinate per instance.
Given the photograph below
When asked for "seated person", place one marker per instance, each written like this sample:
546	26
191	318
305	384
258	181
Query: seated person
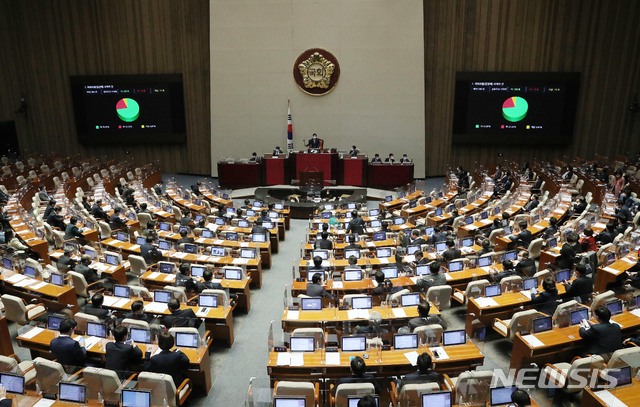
547	300
66	350
72	231
180	317
149	252
524	237
89	274
116	222
171	363
603	336
55	219
568	252
424	318
208	283
416	238
375	319
390	159
323	242
532	204
95	307
435	278
552	229
354	151
607	235
437	236
582	286
121	357
366	401
98	212
183	274
520	398
526	266
486	246
137	312
358	375
376	159
315	288
451	252
65	262
419	259
384	286
425	373
185	238
405	159
277	151
507	270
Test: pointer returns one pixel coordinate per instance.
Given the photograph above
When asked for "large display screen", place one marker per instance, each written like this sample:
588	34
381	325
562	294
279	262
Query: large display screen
129	108
515	107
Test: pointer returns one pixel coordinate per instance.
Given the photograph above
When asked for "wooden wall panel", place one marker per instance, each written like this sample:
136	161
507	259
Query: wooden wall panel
47	42
596	37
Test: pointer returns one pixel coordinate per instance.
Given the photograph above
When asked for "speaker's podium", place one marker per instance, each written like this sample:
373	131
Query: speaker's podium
324	161
353	170
275	169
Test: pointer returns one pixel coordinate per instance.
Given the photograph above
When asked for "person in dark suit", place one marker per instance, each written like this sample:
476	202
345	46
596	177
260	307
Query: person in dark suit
433	279
277	151
451	252
180	317
174	363
405	159
98	212
314	143
137	312
568	252
416	238
55	219
508	270
184	237
601	337
547	300
115	221
425	374
315	287
376	159
208	283
520	398
424	318
183	274
323	242
90	275
522	239
532	204
437	236
195	188
552	229
607	235
95	307
351	240
72	230
367	401
358	375
65	262
356	224
582	286
66	350
354	151
390	159
51	205
526	266
121	357
150	253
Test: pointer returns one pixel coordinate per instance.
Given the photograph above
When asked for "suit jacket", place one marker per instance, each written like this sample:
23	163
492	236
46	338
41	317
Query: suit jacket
71	232
116	223
150	253
97	311
437	237
430	320
55	220
175	364
451	254
6	403
389	160
356	225
98	212
121	357
316	290
582	287
89	274
68	351
524	238
546	302
353	153
417	377
139	317
208	285
323	244
431	280
602	338
314	143
567	256
182	318
376	160
367	378
526	267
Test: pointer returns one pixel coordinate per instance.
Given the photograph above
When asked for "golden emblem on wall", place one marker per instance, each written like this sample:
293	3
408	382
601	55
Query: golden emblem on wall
316	71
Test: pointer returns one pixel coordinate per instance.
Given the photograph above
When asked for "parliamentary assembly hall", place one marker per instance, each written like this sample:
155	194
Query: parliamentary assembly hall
310	203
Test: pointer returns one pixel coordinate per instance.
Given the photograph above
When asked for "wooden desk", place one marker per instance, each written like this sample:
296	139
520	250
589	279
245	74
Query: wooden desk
389	175
254	266
610	273
327	163
353	170
36	244
628	395
275	170
180	201
116	273
228	203
199	369
398	202
393	363
239	287
6	347
560	344
236	175
54	297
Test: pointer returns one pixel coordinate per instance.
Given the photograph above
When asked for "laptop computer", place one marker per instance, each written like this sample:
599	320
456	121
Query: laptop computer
620	376
455	337
207	234
492	290
72	392
413	249
383	252
405	341
614	306
311	304
362	302
323	254
375	223
135	398
97	329
187	339
563	275
466	242
190	248
352	275
398	221
258	237
422	269
392	272
485	261
248	253
166	268
456	266
511	255
280	401
302	344
122	236
217	251
197	270
56	279
441	246
542	324
409	300
379	236
12	383
164	245
436	399
352	252
111	259
374	212
578	315
54	321
140	335
353	343
208	300
500	396
121	291
529	283
232	273
161	296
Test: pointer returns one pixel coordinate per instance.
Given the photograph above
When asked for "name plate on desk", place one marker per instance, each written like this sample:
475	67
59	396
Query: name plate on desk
486	302
533	341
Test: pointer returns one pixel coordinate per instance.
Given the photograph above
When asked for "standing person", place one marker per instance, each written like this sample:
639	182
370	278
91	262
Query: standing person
356	224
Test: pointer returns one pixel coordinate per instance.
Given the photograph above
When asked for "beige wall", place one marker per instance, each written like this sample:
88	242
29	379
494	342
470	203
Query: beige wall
378	103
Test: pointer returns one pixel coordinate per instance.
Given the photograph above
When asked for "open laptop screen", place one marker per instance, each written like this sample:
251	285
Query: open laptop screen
361	302
135	398
57	279
279	401
390	272
578	315
405	341
408	300
311	304
96	329
208	300
121	291
140	335
302	343
542	324
75	393
353	343
456	337
12	383
436	399
352	275
187	339
502	395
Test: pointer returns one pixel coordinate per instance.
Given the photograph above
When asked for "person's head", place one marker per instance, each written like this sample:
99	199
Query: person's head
277	147
520	398
8	234
367	401
137	307
354	214
316	278
450	243
549	285
524	254
418	255
572	237
507	265
353	147
149	239
184	268
522	224
424	363
183	233
52	202
324	234
58	209
581	270
73	220
505	216
376	155
534	197
85	259
404	156
97	300
173	304
143	206
353	260
254	154
314	135
207	275
165	341
486	243
423	309
379	277
151	225
317	261
325	228
66	326
434	267
358	367
390	155
375	319
497	222
68	252
603	314
120	333
553	221
415	233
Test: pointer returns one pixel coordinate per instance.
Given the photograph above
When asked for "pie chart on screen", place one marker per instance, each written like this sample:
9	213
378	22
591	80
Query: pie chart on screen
514	109
128	110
